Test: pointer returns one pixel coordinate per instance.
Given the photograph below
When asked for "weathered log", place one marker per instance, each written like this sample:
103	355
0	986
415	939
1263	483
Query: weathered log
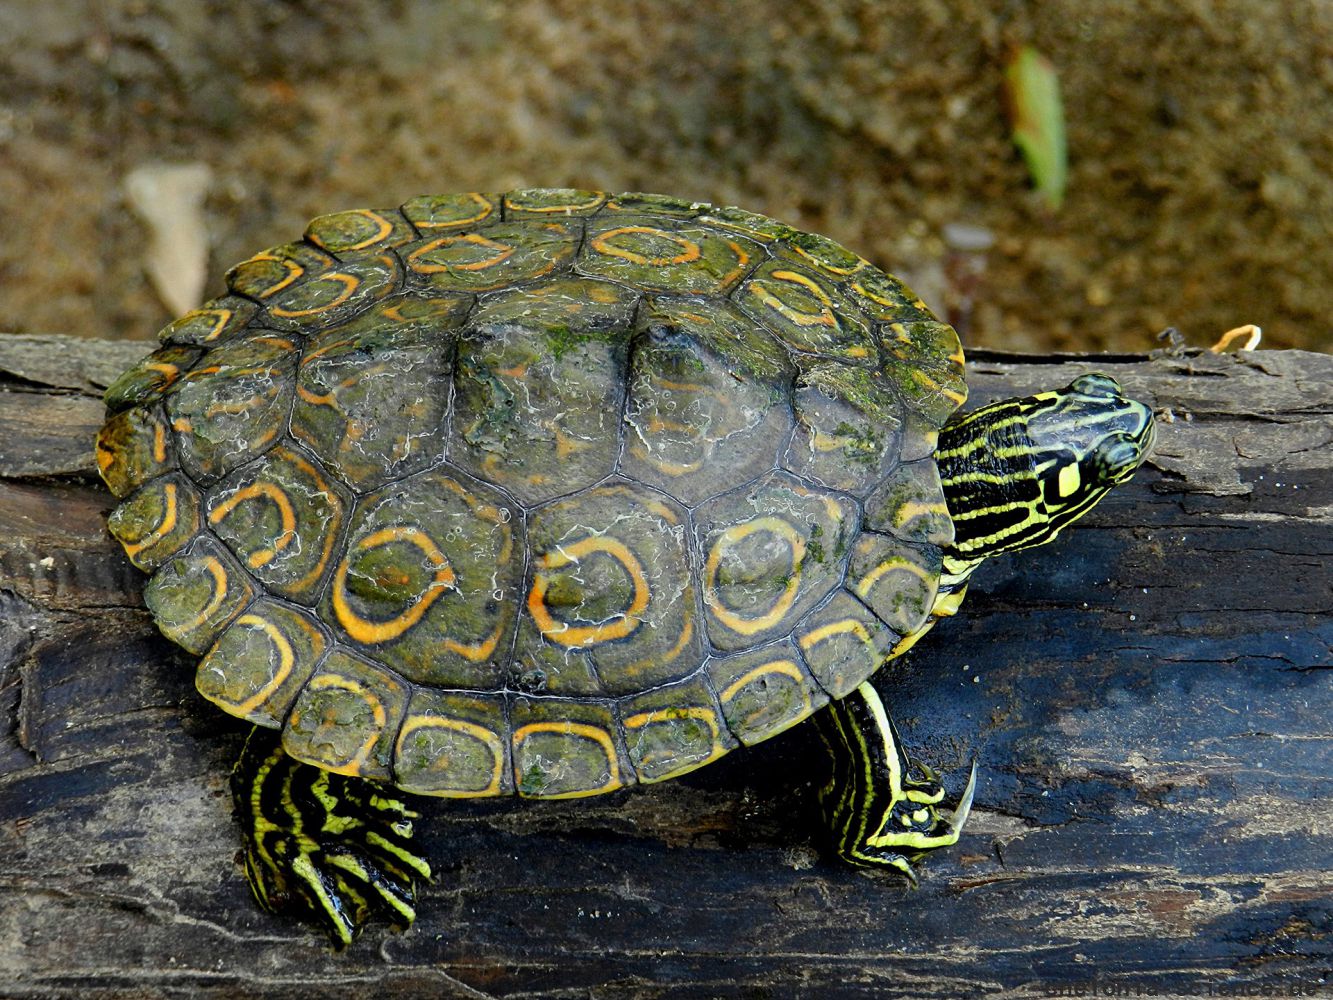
1148	700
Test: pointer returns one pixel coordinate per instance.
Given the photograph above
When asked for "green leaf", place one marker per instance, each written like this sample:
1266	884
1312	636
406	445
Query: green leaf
1038	121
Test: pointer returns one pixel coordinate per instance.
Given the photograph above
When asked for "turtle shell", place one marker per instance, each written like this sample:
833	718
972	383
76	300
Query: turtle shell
546	492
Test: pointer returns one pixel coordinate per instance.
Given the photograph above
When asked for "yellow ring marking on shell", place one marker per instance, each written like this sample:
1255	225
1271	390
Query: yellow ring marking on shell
565	209
585	731
294	271
168	372
481	734
867	583
587	635
916	508
476	651
662	466
286	660
268	491
484	209
824	266
159	443
350	283
503	252
784	668
834	629
219	574
331	526
689	250
219	324
737	532
369	632
164	527
385	228
352	765
686	634
825	315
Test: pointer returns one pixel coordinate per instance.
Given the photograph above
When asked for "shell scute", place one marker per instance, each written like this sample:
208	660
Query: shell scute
611	605
539	387
372	395
428	580
764	690
454	744
770	552
346	718
674	729
702	419
233	405
196	594
261	662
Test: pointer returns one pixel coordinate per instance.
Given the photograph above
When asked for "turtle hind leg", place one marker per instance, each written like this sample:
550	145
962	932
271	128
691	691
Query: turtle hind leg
878	813
329	849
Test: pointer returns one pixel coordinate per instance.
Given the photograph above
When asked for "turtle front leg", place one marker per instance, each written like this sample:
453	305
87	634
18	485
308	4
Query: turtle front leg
878	813
331	850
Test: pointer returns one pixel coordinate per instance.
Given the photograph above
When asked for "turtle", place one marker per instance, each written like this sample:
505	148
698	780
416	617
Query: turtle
552	492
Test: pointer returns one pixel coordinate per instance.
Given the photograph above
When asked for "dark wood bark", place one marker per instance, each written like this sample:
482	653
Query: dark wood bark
1148	700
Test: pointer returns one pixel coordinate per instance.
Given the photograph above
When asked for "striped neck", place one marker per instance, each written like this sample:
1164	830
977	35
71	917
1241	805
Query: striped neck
1016	472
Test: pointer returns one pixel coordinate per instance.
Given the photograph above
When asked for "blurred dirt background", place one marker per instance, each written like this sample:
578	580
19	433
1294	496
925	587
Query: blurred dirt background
1200	139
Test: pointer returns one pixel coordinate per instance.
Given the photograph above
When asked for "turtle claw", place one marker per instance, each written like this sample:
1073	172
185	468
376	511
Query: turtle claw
331	850
881	806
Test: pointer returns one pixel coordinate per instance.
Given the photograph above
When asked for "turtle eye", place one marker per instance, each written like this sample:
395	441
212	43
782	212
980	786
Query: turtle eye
1097	385
1116	457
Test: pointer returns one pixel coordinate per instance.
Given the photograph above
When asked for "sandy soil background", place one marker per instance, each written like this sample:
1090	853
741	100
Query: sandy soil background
1200	137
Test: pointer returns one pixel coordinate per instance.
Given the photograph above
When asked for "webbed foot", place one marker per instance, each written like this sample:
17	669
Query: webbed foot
879	811
332	850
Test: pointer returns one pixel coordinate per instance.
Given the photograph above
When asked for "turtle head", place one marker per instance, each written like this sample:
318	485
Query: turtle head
1017	471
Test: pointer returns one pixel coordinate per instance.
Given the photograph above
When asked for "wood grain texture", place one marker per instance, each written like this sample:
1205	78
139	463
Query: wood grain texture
1148	701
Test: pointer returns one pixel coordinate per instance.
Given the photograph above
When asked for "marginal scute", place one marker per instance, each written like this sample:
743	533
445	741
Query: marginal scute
157	521
539	386
566	748
770	553
260	663
346	718
610	608
666	255
372	395
150	379
843	644
213	322
495	257
360	229
281	516
429	578
910	505
133	447
434	213
536	203
886	298
805	310
700	419
454	744
639	203
847	428
830	258
897	580
925	361
674	729
276	269
337	294
196	594
234	405
764	690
